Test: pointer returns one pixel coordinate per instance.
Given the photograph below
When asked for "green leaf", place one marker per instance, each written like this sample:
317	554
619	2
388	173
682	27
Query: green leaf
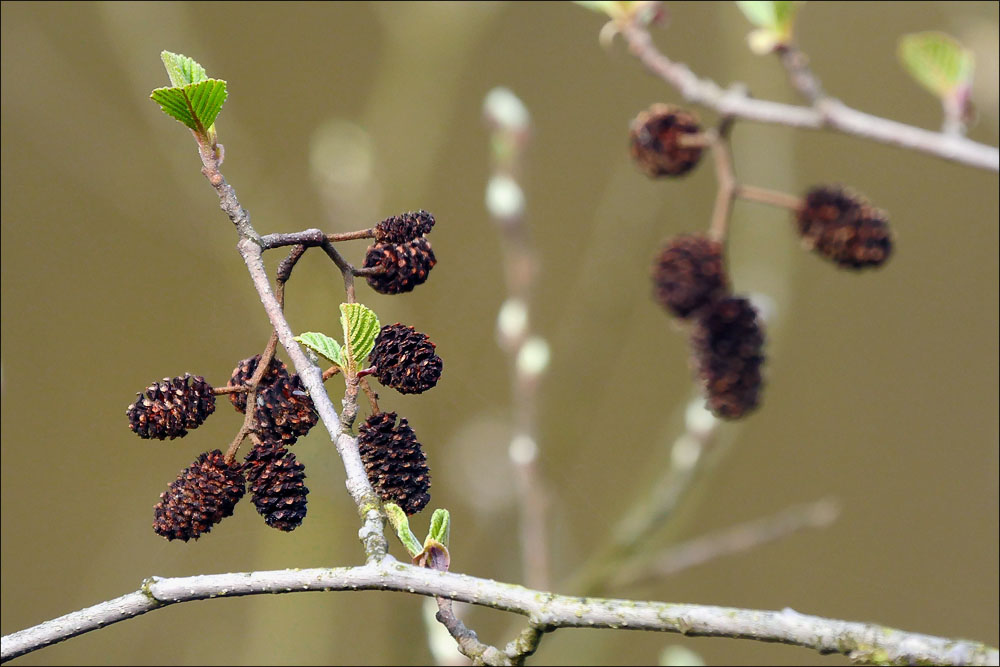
761	14
937	61
182	70
361	326
323	344
397	517
607	7
440	528
197	105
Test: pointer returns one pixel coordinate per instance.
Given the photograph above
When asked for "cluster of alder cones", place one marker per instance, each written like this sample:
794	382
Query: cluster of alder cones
402	358
689	273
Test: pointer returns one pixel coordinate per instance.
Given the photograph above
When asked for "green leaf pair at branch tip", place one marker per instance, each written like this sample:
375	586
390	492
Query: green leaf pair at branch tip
938	62
194	99
360	325
775	22
437	534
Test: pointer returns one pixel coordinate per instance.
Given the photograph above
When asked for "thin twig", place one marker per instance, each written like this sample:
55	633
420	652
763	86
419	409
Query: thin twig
725	177
346	270
250	417
467	640
370	393
827	113
351	236
765	196
728	541
862	642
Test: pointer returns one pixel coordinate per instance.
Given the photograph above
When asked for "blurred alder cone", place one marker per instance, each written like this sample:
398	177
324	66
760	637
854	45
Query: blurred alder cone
727	344
656	141
844	227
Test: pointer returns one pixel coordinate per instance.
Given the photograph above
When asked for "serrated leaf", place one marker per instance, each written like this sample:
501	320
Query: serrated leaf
440	528
401	524
323	344
182	70
196	105
937	61
361	326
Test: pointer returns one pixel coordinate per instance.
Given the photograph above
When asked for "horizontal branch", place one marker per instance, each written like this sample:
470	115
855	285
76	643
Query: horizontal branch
545	611
827	113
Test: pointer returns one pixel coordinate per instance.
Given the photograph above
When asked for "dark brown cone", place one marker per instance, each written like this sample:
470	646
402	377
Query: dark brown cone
404	227
199	498
655	145
844	227
171	407
689	274
245	370
404	359
277	485
404	265
285	411
395	461
728	343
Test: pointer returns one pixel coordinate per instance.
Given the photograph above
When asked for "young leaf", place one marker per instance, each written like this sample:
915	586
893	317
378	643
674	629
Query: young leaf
397	517
182	70
774	20
360	325
440	528
761	14
320	342
937	61
197	105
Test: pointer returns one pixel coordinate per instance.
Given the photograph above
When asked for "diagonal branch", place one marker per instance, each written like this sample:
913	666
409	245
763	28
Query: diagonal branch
827	113
545	611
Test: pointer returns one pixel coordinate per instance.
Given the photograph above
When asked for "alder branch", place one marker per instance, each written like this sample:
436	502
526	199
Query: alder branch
825	113
545	612
251	247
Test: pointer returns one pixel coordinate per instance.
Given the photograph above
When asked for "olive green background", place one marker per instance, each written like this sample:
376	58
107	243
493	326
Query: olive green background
118	269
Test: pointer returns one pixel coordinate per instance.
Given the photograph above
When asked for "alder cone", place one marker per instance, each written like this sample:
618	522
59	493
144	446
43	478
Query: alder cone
728	343
689	274
200	497
404	227
655	141
395	461
285	410
171	407
404	359
244	371
403	265
277	485
843	227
